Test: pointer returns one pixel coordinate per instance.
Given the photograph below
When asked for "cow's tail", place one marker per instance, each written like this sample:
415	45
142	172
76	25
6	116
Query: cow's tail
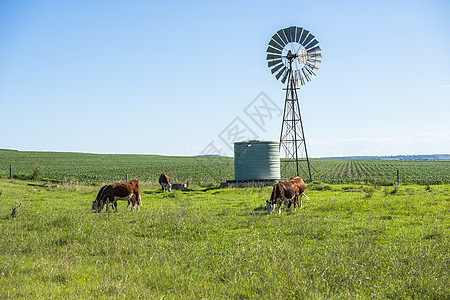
306	196
274	194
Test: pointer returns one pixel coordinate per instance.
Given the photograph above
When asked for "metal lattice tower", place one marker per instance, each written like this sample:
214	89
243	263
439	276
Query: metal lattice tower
292	138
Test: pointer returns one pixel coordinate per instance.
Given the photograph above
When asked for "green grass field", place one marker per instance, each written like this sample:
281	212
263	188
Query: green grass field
107	168
349	241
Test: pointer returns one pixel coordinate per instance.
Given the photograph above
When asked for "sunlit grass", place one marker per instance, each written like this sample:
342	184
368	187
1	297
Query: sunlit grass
348	241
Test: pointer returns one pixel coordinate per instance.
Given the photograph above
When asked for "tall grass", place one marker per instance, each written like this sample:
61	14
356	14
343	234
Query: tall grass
219	244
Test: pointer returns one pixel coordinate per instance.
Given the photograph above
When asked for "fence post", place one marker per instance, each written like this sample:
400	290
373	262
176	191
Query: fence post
126	177
10	171
398	177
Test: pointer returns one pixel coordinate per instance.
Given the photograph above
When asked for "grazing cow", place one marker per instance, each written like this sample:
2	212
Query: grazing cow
164	181
180	186
110	194
286	192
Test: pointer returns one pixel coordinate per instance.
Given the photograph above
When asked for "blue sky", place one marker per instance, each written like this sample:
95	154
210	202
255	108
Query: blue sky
173	77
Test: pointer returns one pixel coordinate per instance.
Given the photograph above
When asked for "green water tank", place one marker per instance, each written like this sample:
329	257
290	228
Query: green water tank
256	160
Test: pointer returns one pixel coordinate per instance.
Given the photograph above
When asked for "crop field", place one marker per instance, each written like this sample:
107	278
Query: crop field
349	241
99	168
373	170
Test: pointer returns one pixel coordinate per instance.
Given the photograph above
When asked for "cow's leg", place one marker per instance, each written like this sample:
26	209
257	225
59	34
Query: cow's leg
279	202
138	197
115	206
132	204
300	201
287	204
132	198
295	200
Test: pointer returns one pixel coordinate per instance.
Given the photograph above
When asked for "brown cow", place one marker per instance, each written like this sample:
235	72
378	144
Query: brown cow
109	194
164	181
287	191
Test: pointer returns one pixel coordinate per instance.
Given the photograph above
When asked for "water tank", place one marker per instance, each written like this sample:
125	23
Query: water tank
256	160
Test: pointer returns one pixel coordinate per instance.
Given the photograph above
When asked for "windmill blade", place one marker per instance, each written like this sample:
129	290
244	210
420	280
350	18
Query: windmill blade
315	55
312	66
299	78
273	56
314	49
288	33
282	36
306	75
296	78
274	44
311	44
276	68
308	40
303	37
293	31
285	75
277	39
302	81
298	34
273	50
274	62
280	73
310	71
314	62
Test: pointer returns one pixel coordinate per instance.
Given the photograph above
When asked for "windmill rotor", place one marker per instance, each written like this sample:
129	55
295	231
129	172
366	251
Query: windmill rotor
296	49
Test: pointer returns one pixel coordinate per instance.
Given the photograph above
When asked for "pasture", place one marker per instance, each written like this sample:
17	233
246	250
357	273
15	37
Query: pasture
349	241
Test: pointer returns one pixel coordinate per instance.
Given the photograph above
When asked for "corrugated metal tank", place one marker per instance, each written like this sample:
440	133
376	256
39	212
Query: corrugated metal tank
256	160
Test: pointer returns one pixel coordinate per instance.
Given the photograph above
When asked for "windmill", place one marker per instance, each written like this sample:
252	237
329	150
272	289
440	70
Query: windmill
293	55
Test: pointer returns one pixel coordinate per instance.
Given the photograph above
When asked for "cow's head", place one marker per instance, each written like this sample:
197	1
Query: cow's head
270	207
98	205
169	187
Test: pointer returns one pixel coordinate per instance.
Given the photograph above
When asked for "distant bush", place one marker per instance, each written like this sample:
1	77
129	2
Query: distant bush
318	186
